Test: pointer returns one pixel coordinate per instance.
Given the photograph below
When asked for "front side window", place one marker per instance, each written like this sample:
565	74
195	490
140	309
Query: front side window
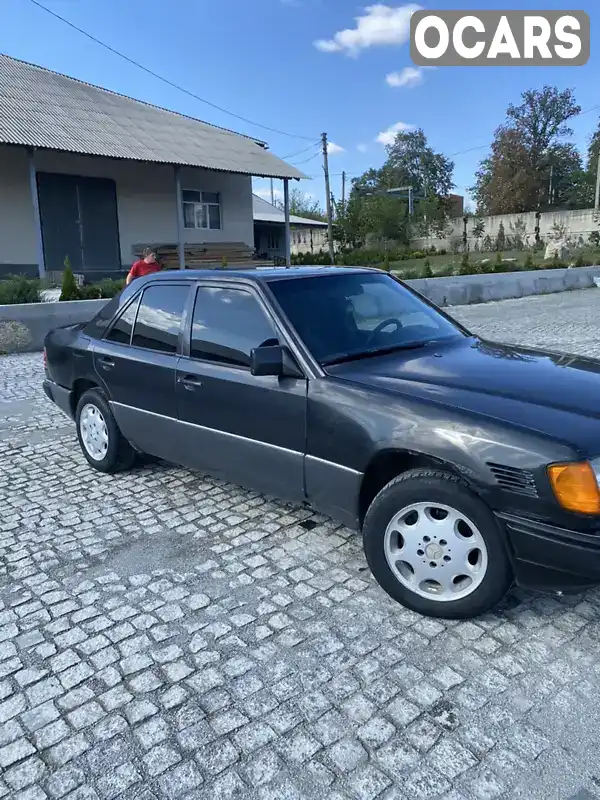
121	330
352	315
159	318
227	325
201	209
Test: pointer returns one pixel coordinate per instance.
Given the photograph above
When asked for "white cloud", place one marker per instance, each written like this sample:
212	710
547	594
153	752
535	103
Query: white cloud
265	193
379	26
333	149
388	136
408	77
362	148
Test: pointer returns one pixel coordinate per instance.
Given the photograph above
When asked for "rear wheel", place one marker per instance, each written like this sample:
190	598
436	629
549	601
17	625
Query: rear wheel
101	441
435	547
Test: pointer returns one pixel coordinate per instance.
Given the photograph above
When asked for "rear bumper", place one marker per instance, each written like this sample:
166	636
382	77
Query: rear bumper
60	396
552	558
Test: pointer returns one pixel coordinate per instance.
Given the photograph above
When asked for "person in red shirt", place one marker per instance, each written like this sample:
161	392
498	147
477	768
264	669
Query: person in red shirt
145	266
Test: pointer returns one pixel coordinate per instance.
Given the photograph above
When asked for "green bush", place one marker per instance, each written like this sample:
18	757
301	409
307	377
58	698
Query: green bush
529	263
579	262
69	290
18	289
445	271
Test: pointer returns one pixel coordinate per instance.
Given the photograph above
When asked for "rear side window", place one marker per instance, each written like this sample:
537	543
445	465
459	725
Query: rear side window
159	318
227	325
121	330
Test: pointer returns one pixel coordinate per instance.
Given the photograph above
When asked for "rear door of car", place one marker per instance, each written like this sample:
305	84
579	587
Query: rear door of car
136	362
247	429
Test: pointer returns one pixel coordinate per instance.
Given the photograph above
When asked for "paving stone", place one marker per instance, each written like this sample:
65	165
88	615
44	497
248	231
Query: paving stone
266	663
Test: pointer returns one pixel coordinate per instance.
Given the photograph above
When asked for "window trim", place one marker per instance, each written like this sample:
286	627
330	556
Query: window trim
238	287
219	205
135	299
138	297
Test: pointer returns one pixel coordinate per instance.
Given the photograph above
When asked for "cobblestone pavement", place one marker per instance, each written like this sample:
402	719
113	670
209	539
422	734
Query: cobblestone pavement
166	635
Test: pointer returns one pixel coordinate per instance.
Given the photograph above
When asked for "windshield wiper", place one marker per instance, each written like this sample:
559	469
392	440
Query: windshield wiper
380	351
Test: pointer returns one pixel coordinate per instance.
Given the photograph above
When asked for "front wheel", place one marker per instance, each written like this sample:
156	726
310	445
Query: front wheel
101	441
435	547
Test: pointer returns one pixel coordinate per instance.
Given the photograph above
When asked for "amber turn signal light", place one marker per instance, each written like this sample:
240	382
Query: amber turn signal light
575	487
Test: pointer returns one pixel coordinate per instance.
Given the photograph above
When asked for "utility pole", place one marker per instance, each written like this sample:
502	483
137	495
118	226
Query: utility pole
597	201
343	191
551	189
328	198
272	193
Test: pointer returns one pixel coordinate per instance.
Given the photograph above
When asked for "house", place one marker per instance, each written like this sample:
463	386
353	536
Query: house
94	176
307	235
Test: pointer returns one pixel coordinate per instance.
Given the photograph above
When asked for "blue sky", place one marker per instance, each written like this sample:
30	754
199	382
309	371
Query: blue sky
260	61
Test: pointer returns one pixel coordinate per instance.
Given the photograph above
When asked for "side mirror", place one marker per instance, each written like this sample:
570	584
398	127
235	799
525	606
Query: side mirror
267	361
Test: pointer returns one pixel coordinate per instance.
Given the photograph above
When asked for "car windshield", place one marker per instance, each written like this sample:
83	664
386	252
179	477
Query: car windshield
355	315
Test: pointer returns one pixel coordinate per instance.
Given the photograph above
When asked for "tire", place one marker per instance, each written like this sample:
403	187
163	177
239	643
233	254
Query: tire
460	570
100	439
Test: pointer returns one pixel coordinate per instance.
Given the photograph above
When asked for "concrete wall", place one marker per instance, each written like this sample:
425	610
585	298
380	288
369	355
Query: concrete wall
468	289
23	327
577	224
146	202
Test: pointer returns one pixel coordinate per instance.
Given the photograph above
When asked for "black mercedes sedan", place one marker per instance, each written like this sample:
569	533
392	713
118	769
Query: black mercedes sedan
466	464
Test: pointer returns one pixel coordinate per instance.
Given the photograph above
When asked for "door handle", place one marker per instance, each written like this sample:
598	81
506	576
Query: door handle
189	382
107	363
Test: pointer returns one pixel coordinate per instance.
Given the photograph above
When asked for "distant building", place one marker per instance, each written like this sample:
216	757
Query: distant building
307	235
457	205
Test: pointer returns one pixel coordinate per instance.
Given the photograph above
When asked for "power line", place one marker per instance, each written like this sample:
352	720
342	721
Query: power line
299	153
306	160
165	80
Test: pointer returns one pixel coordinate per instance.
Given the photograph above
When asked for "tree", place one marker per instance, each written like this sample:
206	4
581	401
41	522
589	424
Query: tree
410	162
516	175
303	205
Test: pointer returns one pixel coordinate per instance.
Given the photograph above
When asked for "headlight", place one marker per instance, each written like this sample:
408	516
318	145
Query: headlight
576	486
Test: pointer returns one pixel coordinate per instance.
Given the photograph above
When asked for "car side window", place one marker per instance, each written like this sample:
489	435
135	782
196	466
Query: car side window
227	325
159	317
121	330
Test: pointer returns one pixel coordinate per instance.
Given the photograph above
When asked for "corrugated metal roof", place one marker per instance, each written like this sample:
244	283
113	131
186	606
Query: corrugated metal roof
263	211
40	108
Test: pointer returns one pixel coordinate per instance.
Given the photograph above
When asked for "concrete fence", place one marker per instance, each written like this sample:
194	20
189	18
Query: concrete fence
23	327
573	226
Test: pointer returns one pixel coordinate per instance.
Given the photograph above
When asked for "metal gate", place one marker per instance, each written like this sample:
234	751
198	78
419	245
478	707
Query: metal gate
79	221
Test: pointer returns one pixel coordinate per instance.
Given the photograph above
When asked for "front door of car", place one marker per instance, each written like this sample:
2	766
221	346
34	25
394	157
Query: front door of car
247	429
136	363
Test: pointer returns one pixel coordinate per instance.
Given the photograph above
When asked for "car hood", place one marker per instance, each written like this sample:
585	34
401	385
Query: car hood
553	393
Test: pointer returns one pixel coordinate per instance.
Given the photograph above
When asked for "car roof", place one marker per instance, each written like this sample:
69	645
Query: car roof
259	273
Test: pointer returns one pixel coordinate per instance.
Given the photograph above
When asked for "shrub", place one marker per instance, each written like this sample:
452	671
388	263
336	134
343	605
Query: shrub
223	262
443	251
417	254
529	263
579	261
445	271
69	290
386	263
18	289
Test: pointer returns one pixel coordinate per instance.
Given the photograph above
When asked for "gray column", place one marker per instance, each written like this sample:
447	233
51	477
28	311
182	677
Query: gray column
286	210
180	221
37	219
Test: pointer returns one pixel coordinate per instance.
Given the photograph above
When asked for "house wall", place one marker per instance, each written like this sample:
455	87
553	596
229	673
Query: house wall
146	202
302	243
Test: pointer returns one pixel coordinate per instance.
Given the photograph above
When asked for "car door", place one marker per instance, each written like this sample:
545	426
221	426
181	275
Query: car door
136	362
247	429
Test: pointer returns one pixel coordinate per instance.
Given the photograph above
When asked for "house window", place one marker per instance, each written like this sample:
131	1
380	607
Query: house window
273	242
201	209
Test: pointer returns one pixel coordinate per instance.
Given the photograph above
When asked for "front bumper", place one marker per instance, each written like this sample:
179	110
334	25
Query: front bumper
60	396
552	558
